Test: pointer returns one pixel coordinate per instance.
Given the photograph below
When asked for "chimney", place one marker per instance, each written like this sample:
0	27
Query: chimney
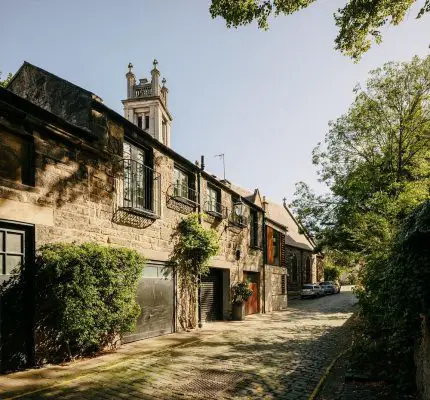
265	203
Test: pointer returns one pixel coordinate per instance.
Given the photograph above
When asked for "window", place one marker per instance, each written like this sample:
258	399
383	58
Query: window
183	185
164	131
17	158
294	267
14	246
254	232
213	200
139	122
138	179
146	121
273	243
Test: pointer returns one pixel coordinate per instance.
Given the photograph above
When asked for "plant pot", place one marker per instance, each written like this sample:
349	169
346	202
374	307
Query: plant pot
238	312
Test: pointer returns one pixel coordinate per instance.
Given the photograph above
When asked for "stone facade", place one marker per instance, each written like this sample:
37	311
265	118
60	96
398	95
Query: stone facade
79	177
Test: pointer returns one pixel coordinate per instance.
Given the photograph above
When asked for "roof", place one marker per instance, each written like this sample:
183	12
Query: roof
97	104
282	216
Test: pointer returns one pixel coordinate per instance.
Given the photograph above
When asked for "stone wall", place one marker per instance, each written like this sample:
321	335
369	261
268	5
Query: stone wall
275	300
74	200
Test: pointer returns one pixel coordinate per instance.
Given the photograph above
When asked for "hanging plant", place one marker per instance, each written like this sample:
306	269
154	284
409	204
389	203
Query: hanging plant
193	249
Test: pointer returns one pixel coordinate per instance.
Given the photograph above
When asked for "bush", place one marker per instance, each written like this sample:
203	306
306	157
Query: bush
394	294
84	297
331	273
240	292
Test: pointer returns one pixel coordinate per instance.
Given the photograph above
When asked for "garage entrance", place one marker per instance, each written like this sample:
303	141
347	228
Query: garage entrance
211	295
251	306
155	296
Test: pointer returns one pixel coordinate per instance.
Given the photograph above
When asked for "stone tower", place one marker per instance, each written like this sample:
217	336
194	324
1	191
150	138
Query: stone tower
146	104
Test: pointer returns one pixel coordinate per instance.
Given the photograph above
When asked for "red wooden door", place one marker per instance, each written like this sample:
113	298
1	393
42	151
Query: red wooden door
251	306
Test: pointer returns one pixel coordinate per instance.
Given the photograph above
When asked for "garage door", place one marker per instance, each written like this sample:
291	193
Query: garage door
155	295
211	294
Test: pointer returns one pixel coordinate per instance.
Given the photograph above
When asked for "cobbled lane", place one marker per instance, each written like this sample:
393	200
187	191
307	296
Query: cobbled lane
281	355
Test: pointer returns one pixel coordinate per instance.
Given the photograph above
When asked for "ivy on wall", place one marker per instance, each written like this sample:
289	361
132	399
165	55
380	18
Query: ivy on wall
194	246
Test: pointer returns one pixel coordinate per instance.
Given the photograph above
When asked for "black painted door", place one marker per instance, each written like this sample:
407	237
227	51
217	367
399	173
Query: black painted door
211	295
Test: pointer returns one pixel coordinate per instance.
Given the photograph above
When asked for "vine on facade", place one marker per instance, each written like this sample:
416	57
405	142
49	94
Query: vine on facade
193	248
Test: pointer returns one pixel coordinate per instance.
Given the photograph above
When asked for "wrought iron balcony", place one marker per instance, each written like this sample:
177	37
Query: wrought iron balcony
138	189
183	194
215	209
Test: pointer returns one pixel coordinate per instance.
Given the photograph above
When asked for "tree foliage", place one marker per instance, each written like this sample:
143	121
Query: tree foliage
359	22
374	162
6	81
193	249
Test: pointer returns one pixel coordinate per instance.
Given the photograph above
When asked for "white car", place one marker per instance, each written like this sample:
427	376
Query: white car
311	290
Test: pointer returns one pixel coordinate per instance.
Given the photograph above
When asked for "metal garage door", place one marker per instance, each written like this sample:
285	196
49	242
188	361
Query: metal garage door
155	295
211	294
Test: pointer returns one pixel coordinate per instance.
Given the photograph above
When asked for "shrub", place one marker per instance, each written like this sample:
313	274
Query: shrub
394	294
331	273
84	297
240	292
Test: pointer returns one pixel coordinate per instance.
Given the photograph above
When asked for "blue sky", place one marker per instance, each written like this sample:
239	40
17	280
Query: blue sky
263	99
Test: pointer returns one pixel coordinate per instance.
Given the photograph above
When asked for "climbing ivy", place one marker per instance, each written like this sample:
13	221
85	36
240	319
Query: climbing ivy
194	246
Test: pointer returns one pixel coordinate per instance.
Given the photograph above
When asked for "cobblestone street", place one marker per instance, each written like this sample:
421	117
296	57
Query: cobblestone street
275	356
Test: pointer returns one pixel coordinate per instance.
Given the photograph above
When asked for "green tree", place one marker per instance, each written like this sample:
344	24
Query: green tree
6	81
375	162
359	22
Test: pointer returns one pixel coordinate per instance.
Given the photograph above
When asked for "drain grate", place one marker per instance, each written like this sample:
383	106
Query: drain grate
210	382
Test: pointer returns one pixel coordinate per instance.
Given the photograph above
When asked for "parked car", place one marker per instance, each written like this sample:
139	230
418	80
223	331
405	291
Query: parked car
320	289
329	287
311	290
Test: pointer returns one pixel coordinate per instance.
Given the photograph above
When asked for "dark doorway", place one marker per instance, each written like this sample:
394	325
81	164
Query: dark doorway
155	295
211	295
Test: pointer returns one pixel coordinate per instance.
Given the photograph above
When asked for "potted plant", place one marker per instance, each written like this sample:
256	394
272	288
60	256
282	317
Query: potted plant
240	293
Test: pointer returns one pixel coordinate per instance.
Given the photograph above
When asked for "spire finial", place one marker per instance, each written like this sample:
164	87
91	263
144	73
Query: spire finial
154	63
130	66
164	82
284	200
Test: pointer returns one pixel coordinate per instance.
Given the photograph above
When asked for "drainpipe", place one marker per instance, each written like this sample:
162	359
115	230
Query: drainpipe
264	262
199	209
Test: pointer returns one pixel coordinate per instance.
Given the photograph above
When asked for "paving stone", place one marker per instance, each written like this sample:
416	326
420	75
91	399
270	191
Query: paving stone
273	356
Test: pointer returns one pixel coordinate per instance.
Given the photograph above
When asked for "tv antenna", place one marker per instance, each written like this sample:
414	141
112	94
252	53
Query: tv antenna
223	161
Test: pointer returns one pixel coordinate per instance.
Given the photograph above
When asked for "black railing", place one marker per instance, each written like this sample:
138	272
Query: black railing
215	209
183	193
139	189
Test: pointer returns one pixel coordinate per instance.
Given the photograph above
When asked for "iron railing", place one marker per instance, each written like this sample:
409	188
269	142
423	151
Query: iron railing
215	209
139	189
183	193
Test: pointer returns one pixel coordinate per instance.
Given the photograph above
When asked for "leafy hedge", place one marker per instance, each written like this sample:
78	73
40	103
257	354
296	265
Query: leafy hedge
84	297
395	294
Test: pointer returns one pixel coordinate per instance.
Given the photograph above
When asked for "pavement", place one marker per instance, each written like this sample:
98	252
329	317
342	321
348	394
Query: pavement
281	355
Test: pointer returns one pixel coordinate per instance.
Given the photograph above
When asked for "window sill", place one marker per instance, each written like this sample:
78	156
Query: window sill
16	185
184	200
140	212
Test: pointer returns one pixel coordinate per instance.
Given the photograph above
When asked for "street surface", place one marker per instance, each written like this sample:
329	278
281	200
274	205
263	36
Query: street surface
281	355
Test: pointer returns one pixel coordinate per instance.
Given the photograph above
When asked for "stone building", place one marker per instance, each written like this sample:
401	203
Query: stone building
73	170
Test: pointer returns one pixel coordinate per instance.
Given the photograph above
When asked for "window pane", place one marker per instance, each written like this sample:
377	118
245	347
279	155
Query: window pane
14	242
1	240
150	272
12	262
